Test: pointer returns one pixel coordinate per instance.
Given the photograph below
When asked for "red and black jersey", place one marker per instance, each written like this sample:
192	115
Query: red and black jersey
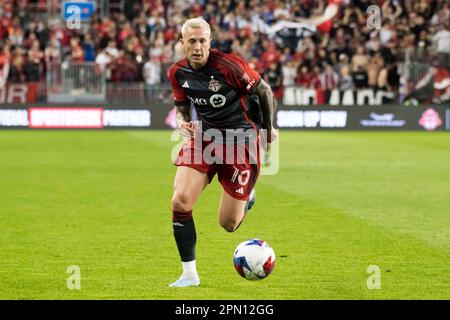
222	91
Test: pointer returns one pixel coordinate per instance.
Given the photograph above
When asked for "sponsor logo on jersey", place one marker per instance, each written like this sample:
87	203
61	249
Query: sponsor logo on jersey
214	85
217	100
185	84
198	101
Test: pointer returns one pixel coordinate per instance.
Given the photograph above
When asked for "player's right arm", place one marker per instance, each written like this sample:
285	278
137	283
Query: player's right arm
184	123
182	105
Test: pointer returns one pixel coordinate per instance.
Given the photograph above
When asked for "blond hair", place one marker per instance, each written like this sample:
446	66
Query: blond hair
195	23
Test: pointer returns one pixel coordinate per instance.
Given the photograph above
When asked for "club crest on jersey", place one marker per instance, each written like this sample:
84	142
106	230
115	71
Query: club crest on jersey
214	85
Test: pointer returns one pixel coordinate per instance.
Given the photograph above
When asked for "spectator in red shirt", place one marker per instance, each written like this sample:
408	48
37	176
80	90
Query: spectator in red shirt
4	66
317	84
304	78
330	81
124	33
272	54
77	53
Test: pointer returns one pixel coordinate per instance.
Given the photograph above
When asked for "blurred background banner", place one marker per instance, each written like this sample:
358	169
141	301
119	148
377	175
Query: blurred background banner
162	116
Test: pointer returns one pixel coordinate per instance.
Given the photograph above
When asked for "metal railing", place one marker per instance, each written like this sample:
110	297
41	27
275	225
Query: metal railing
125	93
76	82
417	64
86	83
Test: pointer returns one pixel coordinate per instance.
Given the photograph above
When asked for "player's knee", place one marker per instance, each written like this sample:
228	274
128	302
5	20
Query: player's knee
230	225
181	203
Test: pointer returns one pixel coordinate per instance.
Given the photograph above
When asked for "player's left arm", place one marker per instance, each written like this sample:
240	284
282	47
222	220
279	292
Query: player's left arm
248	80
268	106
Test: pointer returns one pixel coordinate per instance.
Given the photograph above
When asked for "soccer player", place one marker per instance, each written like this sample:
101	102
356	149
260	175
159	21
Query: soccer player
228	97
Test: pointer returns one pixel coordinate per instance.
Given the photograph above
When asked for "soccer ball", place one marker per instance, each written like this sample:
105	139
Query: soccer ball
254	259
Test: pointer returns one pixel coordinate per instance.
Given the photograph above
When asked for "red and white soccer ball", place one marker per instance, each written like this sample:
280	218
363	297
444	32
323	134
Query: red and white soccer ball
254	259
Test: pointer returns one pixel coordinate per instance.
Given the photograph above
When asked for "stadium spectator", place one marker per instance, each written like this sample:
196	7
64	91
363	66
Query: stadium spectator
304	78
340	41
223	42
270	55
345	80
343	62
289	73
393	77
124	32
317	84
382	78
16	71
104	60
53	59
4	66
76	51
422	46
53	53
386	32
273	76
441	16
373	68
373	44
124	68
16	34
360	59
89	48
360	78
152	77
330	81
441	41
34	65
112	50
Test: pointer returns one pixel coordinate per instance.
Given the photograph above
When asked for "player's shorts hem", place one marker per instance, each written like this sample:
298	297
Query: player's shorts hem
194	166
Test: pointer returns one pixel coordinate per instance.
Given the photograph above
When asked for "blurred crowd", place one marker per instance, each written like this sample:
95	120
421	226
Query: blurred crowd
139	42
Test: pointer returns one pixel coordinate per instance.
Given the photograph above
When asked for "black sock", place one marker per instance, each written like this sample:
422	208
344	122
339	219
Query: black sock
186	238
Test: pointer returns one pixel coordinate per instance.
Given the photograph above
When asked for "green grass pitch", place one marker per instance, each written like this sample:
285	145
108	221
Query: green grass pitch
341	202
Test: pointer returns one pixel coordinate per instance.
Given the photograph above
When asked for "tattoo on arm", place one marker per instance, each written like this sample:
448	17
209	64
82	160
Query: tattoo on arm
183	113
267	102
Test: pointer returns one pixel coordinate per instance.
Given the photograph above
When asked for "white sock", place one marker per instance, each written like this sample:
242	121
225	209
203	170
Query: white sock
189	269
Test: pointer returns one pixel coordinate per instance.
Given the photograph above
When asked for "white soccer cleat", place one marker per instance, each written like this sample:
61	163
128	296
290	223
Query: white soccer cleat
251	201
186	282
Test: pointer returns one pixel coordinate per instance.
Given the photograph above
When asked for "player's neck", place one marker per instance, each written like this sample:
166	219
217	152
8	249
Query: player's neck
196	66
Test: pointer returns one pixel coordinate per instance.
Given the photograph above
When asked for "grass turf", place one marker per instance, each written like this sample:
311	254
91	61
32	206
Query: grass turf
341	202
